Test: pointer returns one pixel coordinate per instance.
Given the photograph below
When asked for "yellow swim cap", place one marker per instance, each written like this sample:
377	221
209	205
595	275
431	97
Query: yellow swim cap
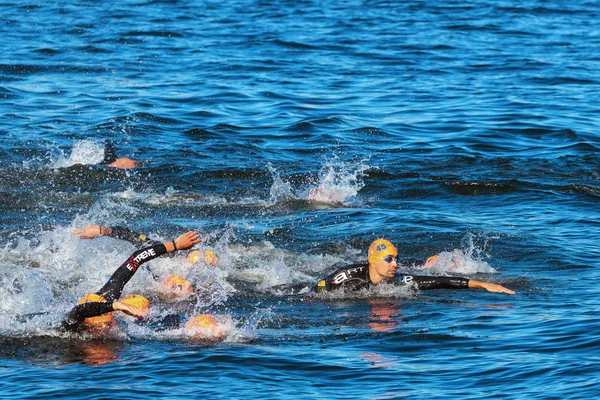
194	257
379	249
210	258
136	300
95	298
177	285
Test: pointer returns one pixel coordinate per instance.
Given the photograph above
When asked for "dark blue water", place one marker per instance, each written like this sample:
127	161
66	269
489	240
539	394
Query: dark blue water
468	128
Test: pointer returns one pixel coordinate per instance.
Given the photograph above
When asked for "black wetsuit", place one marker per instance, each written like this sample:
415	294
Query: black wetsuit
356	277
112	290
137	239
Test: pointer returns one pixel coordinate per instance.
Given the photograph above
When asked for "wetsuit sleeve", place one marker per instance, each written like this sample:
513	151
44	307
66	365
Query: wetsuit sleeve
351	278
110	153
137	239
435	282
112	290
83	311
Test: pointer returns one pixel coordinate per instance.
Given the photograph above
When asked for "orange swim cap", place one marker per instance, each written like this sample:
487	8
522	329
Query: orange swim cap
177	285
95	298
136	300
201	321
379	249
430	262
204	325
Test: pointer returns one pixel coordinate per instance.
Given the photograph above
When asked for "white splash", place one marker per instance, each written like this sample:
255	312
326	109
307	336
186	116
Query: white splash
466	261
84	152
338	182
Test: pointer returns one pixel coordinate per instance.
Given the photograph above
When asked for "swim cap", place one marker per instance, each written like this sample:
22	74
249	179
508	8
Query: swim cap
95	298
194	257
430	262
201	321
136	300
210	258
379	249
177	285
204	325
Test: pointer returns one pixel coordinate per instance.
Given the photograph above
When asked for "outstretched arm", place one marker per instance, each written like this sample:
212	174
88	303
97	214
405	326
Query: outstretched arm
117	232
451	282
490	287
113	288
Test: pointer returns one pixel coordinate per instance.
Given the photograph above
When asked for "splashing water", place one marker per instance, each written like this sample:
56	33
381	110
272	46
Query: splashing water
280	190
338	182
84	152
466	261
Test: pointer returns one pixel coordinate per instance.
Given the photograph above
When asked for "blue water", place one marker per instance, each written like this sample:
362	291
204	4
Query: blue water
466	127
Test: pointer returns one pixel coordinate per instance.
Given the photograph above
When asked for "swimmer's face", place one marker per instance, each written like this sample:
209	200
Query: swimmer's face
386	266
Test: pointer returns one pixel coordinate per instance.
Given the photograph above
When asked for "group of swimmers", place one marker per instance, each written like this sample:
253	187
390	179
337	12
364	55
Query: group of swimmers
94	313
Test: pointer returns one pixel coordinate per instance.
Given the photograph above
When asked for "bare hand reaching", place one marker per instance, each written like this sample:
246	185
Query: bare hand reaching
490	287
89	232
187	240
129	309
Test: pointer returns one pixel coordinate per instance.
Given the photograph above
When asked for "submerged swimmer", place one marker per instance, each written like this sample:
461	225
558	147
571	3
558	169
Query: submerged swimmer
111	159
94	311
382	265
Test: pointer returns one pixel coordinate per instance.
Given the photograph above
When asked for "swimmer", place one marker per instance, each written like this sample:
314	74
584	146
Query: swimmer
94	311
111	159
172	286
382	265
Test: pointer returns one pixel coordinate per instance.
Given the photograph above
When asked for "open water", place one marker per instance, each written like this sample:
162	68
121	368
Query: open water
466	127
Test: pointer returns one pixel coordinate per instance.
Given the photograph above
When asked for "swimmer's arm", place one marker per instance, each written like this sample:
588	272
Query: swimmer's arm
117	232
451	282
183	242
490	287
434	282
83	311
129	309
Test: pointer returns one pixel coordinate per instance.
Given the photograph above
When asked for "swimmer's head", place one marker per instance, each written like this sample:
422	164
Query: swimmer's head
95	298
204	326
123	163
379	249
177	285
209	258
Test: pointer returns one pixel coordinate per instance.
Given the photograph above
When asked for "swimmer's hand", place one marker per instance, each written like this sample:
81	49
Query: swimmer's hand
184	241
130	310
490	287
91	232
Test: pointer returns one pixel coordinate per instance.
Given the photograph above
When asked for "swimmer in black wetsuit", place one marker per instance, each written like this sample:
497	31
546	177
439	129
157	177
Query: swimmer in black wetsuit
174	286
382	266
111	159
96	309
